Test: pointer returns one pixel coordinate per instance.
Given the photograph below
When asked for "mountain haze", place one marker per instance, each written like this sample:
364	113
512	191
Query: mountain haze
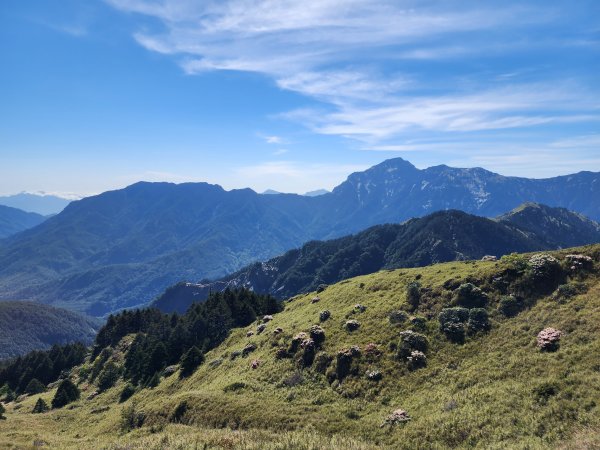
122	248
43	204
13	220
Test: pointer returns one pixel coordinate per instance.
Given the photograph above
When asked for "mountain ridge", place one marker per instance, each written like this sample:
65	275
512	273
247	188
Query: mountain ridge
442	236
44	204
14	220
124	247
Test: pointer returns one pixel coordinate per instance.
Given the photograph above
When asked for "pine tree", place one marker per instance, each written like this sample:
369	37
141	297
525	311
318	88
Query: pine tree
126	393
66	393
153	381
158	359
2	411
109	376
190	361
40	406
35	387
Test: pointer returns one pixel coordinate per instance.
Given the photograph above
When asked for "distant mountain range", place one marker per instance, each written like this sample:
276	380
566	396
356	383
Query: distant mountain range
439	237
43	204
123	248
27	326
307	194
317	193
13	220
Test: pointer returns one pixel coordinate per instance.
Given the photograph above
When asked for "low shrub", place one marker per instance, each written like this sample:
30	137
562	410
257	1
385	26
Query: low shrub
548	340
235	386
416	360
409	342
317	334
322	362
452	323
418	323
413	294
544	392
397	316
478	320
566	291
132	418
470	296
510	306
324	315
178	414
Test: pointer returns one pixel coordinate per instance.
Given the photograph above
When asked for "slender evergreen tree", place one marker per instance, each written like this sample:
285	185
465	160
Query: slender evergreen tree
190	361
66	393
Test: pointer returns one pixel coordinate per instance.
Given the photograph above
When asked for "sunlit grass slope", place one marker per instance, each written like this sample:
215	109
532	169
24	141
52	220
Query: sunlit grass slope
495	390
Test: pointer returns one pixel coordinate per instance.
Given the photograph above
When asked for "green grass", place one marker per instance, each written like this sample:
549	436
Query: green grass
487	393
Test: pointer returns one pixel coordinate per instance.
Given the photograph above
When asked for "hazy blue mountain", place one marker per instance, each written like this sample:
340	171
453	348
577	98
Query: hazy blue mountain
13	220
27	326
43	204
271	192
317	193
439	237
122	248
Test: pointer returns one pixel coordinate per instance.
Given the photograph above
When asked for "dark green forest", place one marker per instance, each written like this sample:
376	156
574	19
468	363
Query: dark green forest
159	340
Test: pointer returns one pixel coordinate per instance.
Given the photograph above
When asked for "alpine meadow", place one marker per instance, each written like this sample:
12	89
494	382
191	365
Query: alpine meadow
282	225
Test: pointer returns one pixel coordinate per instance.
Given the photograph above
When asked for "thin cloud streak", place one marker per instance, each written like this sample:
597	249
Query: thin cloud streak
338	53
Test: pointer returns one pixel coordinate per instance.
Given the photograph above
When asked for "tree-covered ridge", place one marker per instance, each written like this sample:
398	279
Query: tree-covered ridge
439	237
39	368
159	340
163	339
27	326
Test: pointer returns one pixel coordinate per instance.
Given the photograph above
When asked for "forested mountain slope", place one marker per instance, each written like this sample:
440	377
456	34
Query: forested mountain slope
27	326
440	237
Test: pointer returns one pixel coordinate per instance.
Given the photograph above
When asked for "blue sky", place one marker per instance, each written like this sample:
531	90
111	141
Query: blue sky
292	95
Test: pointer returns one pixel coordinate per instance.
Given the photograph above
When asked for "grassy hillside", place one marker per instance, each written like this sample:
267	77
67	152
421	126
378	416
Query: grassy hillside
494	390
27	326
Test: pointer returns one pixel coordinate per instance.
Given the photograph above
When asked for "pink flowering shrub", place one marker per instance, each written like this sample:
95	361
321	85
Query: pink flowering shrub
548	339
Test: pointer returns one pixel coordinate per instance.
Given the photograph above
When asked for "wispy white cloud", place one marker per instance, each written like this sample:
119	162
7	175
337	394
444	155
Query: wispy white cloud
579	142
276	140
347	54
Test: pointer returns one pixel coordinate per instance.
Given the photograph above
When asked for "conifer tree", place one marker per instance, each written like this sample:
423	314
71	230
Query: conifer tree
190	361
153	381
40	406
126	393
66	393
109	376
34	387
